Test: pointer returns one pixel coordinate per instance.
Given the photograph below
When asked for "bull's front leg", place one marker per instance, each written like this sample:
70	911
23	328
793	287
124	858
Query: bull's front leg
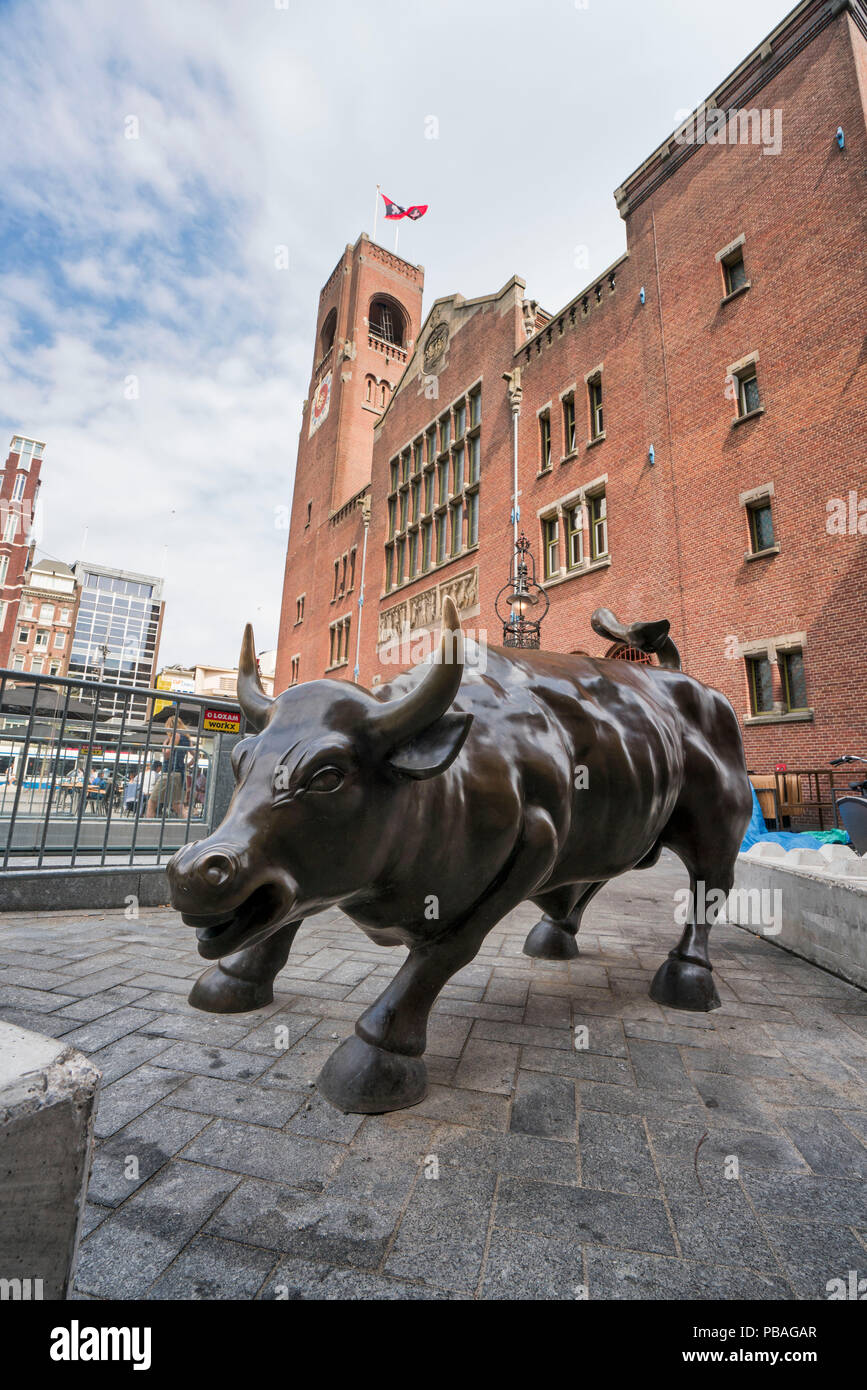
244	981
381	1067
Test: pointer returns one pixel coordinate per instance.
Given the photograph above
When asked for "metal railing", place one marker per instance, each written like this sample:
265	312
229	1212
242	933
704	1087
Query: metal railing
99	774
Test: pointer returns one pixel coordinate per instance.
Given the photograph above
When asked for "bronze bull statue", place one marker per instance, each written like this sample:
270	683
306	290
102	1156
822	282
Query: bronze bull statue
428	809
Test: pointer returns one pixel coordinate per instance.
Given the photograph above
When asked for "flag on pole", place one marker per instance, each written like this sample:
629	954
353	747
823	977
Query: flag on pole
393	211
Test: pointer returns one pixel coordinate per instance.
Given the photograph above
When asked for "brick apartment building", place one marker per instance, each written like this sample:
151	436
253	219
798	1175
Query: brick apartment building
45	622
19	489
690	427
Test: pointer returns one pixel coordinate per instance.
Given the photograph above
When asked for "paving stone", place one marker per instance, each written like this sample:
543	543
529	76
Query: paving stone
579	1064
732	1100
214	1269
637	1223
812	1254
827	1143
720	1226
207	1095
658	1067
615	1155
838	1201
195	1027
487	1066
522	1155
338	1227
132	1094
149	1141
102	1031
442	1235
447	1034
214	1061
137	1242
316	1118
305	1279
524	1266
544	1105
263	1153
612	1275
278	1034
456	1105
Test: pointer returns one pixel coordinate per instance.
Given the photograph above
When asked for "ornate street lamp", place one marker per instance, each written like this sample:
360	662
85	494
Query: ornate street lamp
519	604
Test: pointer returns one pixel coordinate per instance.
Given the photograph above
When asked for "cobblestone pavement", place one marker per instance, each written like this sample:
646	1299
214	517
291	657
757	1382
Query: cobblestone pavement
532	1170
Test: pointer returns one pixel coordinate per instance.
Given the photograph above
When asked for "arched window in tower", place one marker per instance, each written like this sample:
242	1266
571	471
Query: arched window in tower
326	337
387	321
369	385
382	394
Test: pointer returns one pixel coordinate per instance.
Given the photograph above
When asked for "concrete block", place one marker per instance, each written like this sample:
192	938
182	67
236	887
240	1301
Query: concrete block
833	852
822	912
47	1100
766	849
806	859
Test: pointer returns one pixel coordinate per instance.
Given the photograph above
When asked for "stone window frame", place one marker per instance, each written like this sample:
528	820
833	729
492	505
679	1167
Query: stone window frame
594	487
725	258
294	668
771	648
748	500
742	371
299	608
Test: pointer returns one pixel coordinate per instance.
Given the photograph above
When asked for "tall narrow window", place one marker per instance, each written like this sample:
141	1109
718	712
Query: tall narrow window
574	536
475	452
761	525
426	532
413	553
442	537
544	441
569	424
734	272
794	682
598	525
551	546
457	523
472	518
748	392
760	683
597	419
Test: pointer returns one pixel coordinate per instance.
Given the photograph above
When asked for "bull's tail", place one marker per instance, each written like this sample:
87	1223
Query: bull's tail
645	637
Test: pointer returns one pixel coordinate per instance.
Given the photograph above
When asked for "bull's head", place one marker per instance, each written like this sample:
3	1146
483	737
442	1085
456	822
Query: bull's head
313	818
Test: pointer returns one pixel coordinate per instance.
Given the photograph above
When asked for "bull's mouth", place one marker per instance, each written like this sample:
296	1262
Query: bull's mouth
221	933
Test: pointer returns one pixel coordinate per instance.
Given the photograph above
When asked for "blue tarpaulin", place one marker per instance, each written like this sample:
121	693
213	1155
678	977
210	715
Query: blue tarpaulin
757	831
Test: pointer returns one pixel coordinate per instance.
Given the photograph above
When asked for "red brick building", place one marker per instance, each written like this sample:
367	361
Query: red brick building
19	488
691	425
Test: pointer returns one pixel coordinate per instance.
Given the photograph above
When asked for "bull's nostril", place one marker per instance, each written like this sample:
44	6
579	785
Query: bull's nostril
218	869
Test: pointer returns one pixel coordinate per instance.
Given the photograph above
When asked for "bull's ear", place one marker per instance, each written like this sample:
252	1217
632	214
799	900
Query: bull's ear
434	749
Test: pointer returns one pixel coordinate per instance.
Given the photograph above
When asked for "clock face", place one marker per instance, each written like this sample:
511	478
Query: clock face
321	402
435	346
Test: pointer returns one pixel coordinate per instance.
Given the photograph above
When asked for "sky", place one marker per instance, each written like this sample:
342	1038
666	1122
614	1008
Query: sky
179	178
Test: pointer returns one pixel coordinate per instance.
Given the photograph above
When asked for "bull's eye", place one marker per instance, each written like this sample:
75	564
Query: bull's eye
327	779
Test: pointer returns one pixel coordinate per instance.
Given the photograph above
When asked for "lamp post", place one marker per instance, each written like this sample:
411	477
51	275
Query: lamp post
522	603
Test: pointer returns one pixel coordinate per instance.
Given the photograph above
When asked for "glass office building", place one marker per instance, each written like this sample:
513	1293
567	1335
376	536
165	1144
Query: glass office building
117	629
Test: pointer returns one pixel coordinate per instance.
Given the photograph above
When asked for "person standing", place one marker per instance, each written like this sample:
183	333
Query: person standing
170	786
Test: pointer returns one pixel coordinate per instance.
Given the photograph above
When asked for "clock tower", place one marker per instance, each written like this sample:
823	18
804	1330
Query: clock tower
369	317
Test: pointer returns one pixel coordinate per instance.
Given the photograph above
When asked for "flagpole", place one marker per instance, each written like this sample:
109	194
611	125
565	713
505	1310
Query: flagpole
376	210
396	230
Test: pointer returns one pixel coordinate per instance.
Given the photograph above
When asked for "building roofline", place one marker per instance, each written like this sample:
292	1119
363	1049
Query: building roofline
790	36
591	284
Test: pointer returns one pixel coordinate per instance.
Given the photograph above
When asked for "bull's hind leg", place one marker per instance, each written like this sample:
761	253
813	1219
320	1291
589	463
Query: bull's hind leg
381	1067
685	980
553	938
244	981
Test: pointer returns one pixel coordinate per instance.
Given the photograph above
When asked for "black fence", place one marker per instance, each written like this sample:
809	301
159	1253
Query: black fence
93	773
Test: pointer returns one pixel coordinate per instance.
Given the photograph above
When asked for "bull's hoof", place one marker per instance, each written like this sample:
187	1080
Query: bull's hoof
684	984
365	1080
548	941
217	992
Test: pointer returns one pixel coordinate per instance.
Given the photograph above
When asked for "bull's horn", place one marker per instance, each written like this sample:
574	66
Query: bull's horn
255	704
401	720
